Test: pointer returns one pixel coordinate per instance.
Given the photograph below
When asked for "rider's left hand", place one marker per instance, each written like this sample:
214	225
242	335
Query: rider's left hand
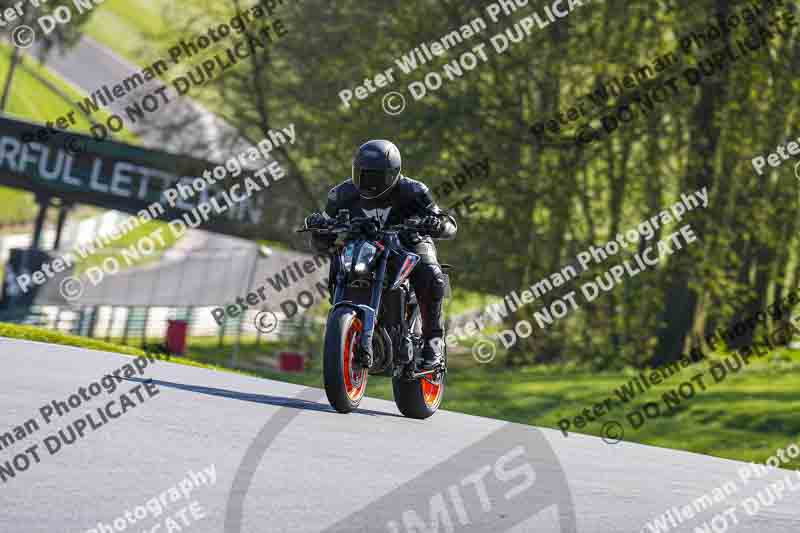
432	224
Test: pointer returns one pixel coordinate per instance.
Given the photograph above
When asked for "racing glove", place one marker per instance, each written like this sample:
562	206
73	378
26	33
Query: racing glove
315	220
433	225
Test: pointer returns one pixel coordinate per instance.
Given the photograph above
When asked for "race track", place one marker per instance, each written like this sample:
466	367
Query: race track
283	461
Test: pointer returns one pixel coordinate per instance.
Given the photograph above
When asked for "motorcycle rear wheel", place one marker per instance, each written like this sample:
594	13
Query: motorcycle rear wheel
418	398
345	380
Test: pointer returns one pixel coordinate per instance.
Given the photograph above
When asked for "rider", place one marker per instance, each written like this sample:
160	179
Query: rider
378	190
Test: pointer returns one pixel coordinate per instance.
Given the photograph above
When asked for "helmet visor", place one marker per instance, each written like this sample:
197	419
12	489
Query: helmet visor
373	182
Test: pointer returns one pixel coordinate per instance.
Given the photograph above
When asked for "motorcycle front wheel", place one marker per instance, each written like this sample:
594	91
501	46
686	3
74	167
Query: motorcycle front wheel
345	379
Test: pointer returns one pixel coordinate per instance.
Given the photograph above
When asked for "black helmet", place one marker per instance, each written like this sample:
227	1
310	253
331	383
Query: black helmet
376	168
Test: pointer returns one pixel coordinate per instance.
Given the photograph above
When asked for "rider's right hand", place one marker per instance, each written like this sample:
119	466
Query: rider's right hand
316	220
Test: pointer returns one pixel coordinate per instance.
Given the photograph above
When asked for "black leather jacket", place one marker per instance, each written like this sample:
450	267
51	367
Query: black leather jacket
409	198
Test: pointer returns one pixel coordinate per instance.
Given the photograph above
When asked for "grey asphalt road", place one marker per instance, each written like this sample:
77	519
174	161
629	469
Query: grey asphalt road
283	461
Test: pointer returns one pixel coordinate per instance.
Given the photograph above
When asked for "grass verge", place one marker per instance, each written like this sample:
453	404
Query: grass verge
37	334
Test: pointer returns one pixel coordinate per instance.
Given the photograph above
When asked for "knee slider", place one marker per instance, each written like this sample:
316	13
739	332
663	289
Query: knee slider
439	283
438	289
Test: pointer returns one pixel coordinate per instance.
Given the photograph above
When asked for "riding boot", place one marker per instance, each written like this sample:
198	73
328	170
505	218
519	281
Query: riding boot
431	304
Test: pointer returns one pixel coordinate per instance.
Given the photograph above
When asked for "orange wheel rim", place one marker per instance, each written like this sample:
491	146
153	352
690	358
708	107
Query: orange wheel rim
355	376
432	392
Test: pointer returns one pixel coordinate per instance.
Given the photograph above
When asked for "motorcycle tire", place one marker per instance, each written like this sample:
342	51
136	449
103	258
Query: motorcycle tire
418	398
345	380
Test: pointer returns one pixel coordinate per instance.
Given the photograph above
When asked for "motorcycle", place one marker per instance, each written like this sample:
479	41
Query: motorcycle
375	325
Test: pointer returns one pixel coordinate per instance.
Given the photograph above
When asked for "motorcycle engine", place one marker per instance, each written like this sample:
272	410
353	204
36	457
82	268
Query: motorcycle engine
382	353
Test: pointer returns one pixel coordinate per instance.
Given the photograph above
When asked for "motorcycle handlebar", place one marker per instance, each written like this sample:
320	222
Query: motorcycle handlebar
358	224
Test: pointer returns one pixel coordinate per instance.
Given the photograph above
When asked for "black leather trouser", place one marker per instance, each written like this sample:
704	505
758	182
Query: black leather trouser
429	285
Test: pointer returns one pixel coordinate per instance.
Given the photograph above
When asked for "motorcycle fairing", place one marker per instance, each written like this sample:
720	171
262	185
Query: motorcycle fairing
409	263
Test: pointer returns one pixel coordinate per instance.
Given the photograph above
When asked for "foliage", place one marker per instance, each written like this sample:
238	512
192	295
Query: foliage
546	201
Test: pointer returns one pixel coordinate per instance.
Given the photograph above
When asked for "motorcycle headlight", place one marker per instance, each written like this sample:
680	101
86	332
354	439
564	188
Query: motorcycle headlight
347	256
365	257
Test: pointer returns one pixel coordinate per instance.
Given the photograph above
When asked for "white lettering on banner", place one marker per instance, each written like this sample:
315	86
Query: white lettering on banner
127	180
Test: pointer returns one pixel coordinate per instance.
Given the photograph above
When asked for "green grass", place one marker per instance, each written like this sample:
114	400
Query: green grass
19	206
132	28
150	28
32	333
275	245
30	99
746	417
465	301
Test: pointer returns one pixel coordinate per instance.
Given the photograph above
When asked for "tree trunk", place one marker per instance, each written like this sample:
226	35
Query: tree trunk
681	299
